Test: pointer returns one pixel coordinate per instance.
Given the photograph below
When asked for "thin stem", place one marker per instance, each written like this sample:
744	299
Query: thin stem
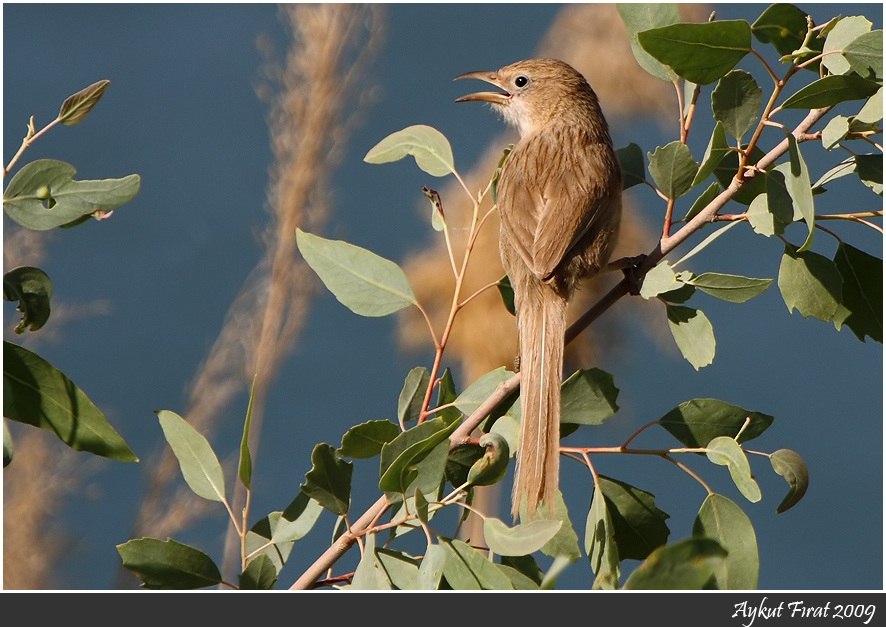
29	139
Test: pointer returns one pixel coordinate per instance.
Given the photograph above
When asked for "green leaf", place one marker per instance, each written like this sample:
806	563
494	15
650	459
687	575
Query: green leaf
370	573
496	176
260	574
633	165
517	578
870	171
565	542
445	395
244	468
693	334
362	281
639	526
38	394
791	466
427	145
412	395
845	167
275	534
401	456
782	25
684	565
798	186
329	480
871	112
835	132
695	423
722	520
199	465
460	461
520	539
730	287
809	283
466	569
673	169
367	439
32	288
725	451
430	572
847	30
600	544
402	569
717	149
706	198
526	565
771	212
862	293
44	195
700	53
77	106
506	291
168	565
736	102
641	17
493	465
831	90
481	389
660	279
588	397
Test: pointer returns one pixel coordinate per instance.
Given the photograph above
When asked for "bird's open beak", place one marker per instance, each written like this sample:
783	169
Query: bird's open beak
495	97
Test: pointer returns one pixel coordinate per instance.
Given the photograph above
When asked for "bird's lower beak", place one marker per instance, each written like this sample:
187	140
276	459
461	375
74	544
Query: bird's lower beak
494	97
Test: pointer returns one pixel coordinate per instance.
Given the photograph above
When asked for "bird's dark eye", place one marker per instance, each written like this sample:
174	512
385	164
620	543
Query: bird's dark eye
521	81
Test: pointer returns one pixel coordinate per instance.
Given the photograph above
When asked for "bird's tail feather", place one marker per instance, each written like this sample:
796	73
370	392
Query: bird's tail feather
541	331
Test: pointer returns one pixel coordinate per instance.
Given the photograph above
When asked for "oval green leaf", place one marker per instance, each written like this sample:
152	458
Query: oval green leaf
427	145
699	53
633	166
730	287
600	544
367	439
693	333
362	281
736	102
791	466
831	90
520	539
168	565
862	294
698	421
722	520
588	397
639	526
199	465
44	195
725	451
809	283
77	106
641	17
412	395
38	394
685	565
673	169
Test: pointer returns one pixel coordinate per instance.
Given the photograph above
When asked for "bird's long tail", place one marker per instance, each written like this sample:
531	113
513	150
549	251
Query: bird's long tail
541	328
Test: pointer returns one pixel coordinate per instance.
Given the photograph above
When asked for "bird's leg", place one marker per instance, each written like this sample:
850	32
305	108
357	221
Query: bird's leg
628	265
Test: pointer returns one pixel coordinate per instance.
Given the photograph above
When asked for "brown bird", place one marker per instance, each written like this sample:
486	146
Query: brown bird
559	197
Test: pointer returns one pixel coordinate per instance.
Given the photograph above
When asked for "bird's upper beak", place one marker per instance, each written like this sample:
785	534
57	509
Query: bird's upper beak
495	97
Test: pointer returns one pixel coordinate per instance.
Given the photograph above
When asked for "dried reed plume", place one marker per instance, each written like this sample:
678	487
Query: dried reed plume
315	95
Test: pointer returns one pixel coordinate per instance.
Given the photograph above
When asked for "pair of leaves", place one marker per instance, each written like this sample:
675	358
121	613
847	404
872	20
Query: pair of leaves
722	554
847	289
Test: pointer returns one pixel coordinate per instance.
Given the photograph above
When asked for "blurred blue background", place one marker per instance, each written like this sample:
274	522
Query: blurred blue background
182	112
